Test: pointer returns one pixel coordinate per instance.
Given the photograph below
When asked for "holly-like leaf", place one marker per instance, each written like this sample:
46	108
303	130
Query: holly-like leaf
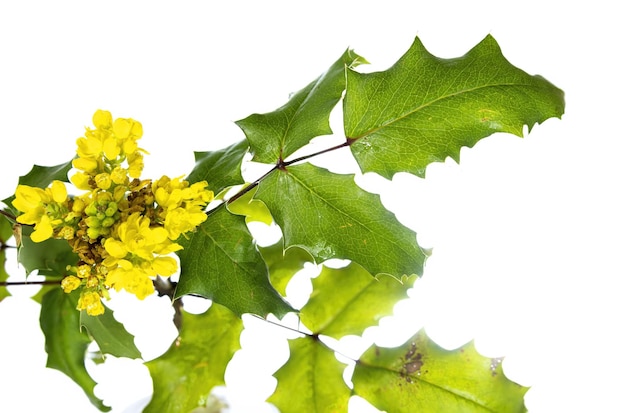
428	378
278	134
425	108
283	264
311	380
111	335
221	168
50	257
5	233
328	215
65	343
41	177
348	300
184	376
220	262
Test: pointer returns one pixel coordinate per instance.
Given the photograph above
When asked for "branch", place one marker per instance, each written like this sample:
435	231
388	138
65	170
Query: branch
9	216
14	283
282	165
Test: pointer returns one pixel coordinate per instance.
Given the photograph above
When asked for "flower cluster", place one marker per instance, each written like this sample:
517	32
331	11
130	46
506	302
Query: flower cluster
122	228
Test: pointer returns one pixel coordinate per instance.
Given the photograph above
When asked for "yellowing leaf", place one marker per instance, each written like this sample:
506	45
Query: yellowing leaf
184	376
348	300
311	380
421	376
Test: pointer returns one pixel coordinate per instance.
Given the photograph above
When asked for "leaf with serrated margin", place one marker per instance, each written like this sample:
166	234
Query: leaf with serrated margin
311	380
348	300
421	376
283	264
41	177
425	108
111	335
220	262
221	168
184	376
65	343
278	134
328	215
6	232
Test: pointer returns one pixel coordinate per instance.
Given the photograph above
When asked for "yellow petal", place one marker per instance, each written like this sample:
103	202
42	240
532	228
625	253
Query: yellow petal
43	230
102	119
59	192
115	248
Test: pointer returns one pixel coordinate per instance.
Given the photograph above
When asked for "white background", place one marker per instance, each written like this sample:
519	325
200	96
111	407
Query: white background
528	234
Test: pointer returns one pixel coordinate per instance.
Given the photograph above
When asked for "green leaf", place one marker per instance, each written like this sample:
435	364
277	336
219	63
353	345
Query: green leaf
283	264
425	108
50	257
6	232
348	300
4	276
328	215
184	376
221	168
65	343
41	177
427	378
110	334
278	134
220	262
311	380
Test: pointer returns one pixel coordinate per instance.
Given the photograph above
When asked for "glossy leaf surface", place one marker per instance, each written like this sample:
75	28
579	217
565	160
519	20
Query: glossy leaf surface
278	134
66	345
424	108
220	262
110	334
328	215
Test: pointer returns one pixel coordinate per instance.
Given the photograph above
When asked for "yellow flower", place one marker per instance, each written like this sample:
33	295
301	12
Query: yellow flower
131	278
43	208
70	283
91	301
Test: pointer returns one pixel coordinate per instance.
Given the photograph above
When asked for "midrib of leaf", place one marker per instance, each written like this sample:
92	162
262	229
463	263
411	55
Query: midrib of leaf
427	104
420	379
221	249
310	189
352	300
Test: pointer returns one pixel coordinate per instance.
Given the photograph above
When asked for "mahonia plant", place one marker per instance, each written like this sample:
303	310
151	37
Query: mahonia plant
122	230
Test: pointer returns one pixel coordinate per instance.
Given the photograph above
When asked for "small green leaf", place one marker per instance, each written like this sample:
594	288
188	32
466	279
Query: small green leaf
6	233
50	257
278	134
427	378
328	215
348	300
425	108
65	343
4	276
220	262
283	264
221	168
184	376
311	380
41	177
110	334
